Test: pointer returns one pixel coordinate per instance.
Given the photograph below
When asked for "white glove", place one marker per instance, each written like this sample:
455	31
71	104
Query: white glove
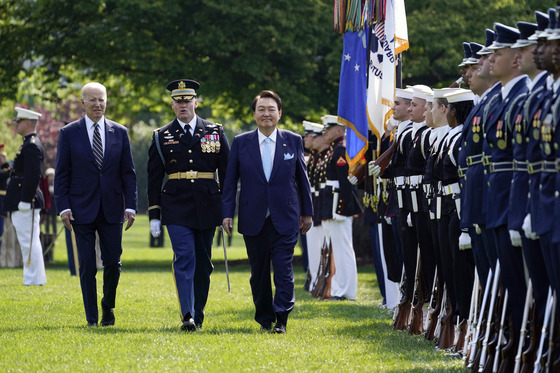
409	219
353	180
464	241
339	217
528	229
24	206
515	238
373	169
392	123
155	227
477	229
388	220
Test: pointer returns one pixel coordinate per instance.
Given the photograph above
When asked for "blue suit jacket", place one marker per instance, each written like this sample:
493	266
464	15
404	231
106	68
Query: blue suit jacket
287	194
81	187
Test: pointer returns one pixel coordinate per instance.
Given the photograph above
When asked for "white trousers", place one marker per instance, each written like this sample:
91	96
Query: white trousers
315	238
345	279
31	250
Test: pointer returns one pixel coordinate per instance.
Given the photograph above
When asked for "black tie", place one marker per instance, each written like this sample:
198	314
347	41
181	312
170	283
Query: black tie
188	133
97	146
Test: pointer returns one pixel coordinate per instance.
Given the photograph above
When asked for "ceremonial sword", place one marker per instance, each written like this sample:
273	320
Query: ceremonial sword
225	257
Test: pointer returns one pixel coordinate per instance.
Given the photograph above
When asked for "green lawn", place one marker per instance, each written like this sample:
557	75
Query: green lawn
43	328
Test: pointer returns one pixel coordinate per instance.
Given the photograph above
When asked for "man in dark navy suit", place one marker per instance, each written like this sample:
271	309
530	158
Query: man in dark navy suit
95	190
274	203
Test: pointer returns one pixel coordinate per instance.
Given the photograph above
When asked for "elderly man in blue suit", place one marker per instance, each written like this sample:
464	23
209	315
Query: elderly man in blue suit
95	190
274	203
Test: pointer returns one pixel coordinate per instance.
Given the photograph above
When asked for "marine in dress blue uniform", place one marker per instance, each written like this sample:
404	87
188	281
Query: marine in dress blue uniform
189	203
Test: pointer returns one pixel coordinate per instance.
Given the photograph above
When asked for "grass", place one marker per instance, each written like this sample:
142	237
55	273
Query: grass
43	328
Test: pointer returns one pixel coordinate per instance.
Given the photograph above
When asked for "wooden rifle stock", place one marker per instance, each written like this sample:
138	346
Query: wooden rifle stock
319	285
416	325
328	277
447	332
433	313
385	158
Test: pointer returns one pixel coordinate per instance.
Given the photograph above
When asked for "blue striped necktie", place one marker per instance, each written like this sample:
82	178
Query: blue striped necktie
97	146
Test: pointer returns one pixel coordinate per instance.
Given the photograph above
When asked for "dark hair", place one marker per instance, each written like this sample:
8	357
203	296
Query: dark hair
462	110
441	101
270	94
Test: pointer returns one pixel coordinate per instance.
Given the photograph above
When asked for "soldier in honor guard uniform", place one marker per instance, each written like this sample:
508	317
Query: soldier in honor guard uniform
193	153
498	159
524	146
473	211
24	199
314	237
340	205
417	205
460	103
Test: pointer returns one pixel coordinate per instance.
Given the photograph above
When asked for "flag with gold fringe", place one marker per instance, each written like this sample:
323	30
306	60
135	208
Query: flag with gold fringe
381	25
352	94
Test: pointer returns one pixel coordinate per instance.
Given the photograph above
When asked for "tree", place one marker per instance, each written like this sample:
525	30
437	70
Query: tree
437	29
234	48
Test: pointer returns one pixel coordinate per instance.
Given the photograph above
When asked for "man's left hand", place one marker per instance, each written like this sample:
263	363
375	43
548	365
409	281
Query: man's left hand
305	223
129	217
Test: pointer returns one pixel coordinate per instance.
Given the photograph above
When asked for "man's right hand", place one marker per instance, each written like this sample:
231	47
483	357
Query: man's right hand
155	227
227	224
67	218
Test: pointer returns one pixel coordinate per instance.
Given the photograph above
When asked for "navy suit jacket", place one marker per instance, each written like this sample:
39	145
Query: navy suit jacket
81	187
287	194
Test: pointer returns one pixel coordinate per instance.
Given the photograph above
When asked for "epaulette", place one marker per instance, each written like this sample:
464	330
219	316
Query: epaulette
32	139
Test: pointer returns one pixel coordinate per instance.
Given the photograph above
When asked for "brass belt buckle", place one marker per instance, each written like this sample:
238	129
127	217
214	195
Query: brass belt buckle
192	174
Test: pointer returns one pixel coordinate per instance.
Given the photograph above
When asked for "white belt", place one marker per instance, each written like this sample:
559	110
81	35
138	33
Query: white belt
323	185
333	183
451	189
414	179
400	180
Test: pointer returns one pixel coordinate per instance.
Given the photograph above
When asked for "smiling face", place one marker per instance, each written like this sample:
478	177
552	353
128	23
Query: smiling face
184	110
266	115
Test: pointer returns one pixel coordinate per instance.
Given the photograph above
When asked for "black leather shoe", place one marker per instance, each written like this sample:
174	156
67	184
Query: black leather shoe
92	324
108	317
198	325
279	328
188	325
266	328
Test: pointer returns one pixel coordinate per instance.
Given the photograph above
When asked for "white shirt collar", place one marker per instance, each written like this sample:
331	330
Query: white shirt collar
509	85
90	122
192	124
272	136
536	79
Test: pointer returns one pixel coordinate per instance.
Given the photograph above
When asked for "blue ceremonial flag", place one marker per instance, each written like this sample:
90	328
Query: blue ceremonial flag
352	94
